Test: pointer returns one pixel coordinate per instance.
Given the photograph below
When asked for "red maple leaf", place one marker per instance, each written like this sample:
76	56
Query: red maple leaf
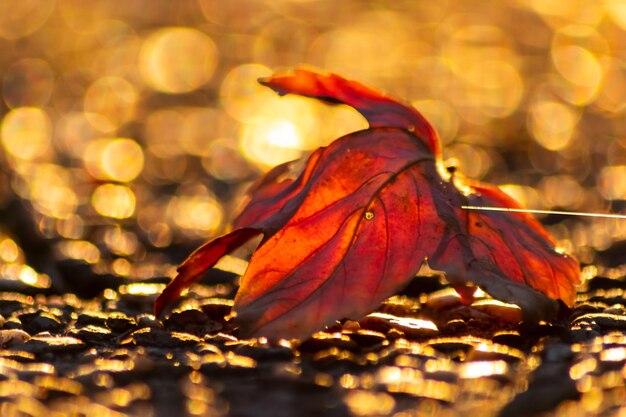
357	224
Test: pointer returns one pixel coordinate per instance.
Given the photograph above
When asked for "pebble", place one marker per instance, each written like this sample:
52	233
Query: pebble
91	318
411	327
148	320
12	302
52	344
375	323
13	337
600	282
366	338
119	322
91	334
160	338
582	333
511	338
618	309
450	345
604	320
12	323
192	321
350	326
497	309
454	326
444	299
17	355
216	308
323	340
40	321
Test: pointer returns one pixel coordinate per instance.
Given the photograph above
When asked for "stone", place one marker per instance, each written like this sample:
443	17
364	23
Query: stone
40	321
13	337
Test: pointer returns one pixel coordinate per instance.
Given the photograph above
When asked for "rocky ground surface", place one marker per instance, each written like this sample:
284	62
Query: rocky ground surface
129	131
420	354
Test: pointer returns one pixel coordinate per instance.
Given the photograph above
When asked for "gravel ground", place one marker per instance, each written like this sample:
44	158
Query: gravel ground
421	353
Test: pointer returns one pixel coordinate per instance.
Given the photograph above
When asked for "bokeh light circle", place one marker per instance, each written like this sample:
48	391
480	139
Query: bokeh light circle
117	159
28	82
115	201
110	102
26	132
242	96
177	59
552	124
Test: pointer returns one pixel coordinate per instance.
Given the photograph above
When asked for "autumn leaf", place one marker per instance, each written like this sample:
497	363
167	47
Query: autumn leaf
358	222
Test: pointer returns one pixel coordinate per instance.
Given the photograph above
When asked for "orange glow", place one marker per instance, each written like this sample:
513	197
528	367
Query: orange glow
26	132
116	201
177	59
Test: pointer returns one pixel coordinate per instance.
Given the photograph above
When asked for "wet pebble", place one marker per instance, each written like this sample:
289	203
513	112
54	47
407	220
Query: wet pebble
583	332
409	326
444	299
12	323
323	340
13	337
618	309
394	334
91	318
192	321
216	308
604	320
375	323
148	320
511	338
17	355
450	345
350	326
365	338
609	296
91	334
40	321
52	344
119	322
12	302
497	309
161	338
600	282
454	326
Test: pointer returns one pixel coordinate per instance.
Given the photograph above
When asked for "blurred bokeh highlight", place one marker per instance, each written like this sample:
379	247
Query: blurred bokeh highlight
138	125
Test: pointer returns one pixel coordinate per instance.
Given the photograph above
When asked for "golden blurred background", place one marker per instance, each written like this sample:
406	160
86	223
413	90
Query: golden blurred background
136	125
